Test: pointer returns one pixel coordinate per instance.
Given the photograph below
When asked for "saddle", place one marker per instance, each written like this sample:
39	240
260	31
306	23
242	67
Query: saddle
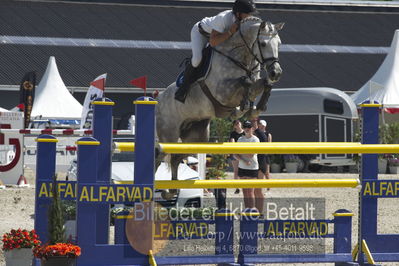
202	69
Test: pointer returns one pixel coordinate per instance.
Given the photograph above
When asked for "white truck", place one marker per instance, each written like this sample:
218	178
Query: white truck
312	115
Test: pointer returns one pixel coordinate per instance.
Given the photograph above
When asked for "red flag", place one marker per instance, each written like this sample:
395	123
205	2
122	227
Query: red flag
140	82
21	106
392	110
99	83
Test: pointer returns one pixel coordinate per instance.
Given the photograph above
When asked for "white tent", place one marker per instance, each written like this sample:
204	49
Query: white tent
3	110
52	98
383	87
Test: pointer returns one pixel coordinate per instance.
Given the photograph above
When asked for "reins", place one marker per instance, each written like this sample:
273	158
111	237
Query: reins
261	61
237	63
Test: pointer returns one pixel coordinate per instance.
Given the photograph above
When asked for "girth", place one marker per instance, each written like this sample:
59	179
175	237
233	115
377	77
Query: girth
221	111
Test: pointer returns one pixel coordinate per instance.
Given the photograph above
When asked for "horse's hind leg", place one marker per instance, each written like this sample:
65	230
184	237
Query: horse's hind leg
175	160
159	155
196	132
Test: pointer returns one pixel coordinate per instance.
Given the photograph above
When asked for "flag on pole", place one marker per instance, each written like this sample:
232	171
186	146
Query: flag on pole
140	82
26	95
96	90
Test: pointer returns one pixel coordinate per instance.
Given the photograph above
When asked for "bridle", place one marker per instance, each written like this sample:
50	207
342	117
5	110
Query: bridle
223	109
262	61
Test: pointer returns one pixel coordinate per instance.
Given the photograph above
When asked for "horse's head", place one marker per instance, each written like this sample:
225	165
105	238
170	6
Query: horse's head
269	43
263	42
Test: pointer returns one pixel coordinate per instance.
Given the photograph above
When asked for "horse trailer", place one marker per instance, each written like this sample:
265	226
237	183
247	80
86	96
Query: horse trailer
312	115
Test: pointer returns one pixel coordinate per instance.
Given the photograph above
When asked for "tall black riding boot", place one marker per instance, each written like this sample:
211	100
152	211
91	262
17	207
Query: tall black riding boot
189	78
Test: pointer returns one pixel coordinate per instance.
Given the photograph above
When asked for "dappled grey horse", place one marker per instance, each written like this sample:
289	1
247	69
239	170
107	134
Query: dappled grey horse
233	80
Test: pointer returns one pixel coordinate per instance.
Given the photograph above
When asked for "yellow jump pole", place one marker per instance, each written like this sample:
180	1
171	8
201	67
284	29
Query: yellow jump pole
299	149
129	146
280	148
257	183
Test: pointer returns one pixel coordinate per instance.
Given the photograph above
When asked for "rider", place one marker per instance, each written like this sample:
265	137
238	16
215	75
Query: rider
214	30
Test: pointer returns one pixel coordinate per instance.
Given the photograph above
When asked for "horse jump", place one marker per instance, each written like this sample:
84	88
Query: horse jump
93	179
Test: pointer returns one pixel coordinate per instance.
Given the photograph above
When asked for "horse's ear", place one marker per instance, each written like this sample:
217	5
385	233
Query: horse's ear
279	26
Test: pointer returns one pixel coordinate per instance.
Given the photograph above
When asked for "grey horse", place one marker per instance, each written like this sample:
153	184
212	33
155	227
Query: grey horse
233	80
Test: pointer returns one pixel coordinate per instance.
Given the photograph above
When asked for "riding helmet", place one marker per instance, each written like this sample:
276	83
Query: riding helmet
244	6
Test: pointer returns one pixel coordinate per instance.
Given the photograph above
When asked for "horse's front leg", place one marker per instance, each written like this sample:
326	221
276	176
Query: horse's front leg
262	104
246	83
259	87
238	113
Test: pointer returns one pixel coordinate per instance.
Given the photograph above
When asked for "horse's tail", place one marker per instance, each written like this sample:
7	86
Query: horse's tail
168	160
161	156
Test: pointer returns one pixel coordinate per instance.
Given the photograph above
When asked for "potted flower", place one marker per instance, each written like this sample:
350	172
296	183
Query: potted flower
57	252
393	165
17	246
291	163
382	163
275	163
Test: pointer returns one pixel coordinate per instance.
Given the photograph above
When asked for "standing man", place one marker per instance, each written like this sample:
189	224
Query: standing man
262	160
262	125
262	138
248	167
214	30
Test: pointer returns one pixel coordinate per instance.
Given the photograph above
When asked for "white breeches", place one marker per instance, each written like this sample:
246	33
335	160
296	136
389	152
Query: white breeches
198	42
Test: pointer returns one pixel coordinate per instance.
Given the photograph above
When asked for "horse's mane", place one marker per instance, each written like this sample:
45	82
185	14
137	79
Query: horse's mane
251	19
268	25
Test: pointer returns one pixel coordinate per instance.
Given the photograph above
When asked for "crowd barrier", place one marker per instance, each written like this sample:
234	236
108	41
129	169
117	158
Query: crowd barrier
94	193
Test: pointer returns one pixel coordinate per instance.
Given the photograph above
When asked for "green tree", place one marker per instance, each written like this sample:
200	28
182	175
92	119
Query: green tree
56	217
389	133
219	132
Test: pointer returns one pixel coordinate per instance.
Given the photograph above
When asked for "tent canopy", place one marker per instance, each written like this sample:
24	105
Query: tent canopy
383	87
52	98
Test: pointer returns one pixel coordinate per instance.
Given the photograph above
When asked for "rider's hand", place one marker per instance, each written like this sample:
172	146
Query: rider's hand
234	28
